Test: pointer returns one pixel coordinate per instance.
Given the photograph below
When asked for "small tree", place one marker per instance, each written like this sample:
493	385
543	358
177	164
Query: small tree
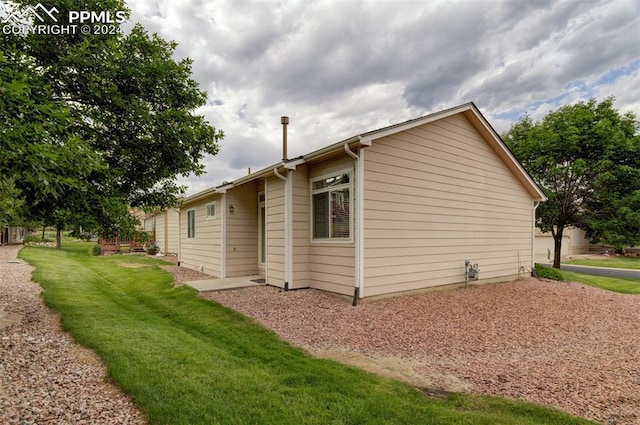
577	154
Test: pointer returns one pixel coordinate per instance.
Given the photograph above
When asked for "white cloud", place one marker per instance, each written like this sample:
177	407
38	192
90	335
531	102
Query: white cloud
339	68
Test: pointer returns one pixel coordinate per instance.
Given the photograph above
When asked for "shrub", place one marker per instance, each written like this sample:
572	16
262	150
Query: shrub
548	272
96	250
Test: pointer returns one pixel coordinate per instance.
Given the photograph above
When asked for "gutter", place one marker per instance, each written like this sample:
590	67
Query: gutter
289	164
179	236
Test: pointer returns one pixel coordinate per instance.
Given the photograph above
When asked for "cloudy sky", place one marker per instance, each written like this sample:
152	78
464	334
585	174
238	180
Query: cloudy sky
340	68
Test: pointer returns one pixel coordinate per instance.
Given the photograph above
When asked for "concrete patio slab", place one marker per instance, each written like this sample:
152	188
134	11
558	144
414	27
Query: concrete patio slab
225	284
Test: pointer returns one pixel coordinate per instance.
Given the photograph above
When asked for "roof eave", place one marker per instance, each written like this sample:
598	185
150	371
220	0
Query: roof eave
483	126
470	110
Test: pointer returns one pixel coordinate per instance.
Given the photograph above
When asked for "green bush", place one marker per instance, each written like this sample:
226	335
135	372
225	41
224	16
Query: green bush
96	250
548	272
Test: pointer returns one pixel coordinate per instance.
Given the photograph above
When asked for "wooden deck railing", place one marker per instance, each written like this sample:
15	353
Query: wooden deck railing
120	245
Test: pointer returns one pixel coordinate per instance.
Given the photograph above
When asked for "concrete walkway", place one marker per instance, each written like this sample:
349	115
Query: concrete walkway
226	283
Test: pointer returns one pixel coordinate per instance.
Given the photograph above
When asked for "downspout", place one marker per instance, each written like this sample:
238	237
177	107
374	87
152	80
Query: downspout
359	188
179	235
533	239
266	234
223	237
287	228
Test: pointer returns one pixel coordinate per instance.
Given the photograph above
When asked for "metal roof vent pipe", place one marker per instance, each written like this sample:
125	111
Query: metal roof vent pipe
285	123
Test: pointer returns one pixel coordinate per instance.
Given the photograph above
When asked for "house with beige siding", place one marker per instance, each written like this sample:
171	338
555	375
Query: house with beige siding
163	226
390	211
574	242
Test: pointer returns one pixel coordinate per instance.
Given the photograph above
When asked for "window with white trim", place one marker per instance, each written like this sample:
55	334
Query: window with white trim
191	224
211	210
331	207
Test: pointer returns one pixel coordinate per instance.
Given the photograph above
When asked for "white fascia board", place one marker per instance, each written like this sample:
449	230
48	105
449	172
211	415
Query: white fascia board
253	176
199	195
292	165
331	148
367	138
224	188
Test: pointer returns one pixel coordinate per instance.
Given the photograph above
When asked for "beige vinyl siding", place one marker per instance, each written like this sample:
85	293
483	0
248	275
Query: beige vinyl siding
545	241
160	230
301	227
574	242
204	249
275	231
242	230
171	242
579	244
165	224
149	223
332	264
436	195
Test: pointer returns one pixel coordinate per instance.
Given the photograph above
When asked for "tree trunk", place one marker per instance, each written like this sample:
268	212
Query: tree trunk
58	236
43	229
557	248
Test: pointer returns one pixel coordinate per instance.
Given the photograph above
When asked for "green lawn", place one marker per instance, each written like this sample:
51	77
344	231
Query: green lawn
615	262
185	360
615	284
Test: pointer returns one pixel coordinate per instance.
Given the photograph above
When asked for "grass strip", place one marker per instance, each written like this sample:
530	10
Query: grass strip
623	285
613	262
186	360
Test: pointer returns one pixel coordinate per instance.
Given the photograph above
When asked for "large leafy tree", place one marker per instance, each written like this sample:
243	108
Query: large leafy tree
42	164
612	212
580	155
125	104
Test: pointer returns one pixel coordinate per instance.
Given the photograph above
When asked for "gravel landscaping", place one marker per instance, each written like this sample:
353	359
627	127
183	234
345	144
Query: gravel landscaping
565	345
45	377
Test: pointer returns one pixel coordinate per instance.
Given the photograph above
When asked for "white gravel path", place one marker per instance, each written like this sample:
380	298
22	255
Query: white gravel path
564	345
45	377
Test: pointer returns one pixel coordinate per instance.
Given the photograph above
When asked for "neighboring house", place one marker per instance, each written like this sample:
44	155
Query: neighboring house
389	211
163	226
573	243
